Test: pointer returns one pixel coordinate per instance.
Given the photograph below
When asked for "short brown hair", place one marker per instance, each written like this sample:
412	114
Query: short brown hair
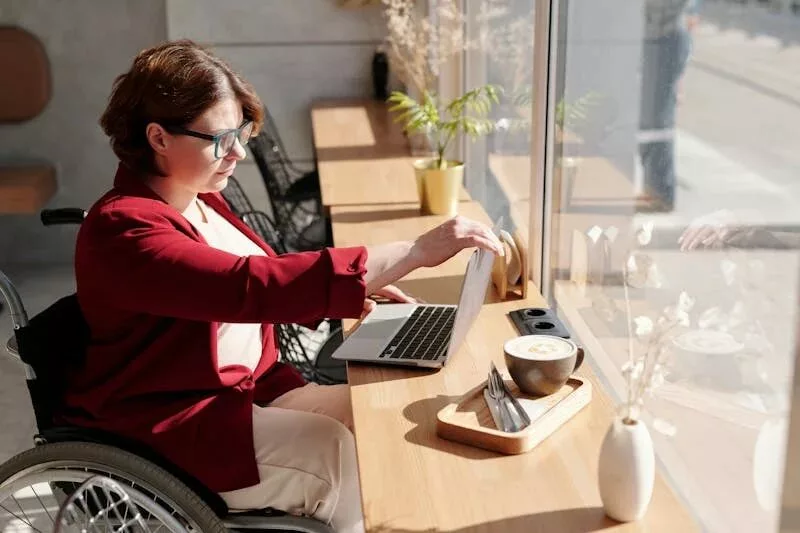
170	84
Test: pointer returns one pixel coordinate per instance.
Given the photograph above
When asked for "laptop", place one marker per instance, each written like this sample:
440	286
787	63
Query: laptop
421	335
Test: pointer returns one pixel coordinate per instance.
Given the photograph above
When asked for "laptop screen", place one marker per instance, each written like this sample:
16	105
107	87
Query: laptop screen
473	293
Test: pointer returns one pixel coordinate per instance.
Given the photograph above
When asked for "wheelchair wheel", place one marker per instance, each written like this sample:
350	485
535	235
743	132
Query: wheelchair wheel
35	483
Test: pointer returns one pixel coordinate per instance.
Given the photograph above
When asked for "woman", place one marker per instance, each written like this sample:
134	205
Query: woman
180	297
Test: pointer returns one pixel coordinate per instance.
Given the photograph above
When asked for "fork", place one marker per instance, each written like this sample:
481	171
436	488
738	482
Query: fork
497	393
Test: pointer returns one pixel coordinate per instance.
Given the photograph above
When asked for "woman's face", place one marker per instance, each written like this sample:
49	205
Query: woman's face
191	162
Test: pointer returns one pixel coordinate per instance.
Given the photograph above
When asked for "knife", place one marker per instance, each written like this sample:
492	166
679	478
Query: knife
524	419
494	409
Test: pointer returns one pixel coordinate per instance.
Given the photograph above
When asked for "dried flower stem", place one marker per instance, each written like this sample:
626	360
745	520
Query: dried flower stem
419	45
646	372
656	341
629	316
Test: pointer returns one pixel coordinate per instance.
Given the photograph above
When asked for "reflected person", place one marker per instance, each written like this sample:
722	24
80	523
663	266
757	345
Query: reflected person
665	51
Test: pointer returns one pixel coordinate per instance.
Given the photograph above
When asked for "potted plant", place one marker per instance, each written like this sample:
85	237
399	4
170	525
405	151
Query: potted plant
420	41
439	179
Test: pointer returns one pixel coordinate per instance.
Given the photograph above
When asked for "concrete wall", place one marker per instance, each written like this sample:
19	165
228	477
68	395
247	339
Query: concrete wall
88	43
292	52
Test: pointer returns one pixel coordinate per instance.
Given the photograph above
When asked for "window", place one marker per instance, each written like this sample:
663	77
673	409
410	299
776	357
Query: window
676	119
667	119
498	168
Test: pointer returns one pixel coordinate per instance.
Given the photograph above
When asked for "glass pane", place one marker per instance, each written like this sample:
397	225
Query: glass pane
498	167
676	173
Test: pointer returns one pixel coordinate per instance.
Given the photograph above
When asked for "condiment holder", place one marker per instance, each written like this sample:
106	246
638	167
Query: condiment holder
510	272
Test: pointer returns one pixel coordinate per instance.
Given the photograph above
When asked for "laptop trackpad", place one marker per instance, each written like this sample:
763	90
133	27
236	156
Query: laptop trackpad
384	322
374	332
382	328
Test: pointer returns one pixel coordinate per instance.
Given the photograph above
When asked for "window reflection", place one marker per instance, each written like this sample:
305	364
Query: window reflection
690	134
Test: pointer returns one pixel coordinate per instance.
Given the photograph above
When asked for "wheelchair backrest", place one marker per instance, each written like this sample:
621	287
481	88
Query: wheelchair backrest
53	343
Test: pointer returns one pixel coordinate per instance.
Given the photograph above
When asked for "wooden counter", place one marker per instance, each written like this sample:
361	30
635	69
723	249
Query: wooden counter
413	481
362	155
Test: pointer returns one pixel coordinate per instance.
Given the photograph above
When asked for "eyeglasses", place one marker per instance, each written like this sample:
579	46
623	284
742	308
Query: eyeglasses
223	141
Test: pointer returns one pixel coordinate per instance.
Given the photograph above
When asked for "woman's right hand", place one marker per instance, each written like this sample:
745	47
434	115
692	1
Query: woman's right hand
446	240
369	306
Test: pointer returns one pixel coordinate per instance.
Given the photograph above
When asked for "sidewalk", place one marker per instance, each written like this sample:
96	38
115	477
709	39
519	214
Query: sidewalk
752	45
739	118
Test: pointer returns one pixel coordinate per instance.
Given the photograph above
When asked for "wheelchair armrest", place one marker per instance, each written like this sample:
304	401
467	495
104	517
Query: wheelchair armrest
63	215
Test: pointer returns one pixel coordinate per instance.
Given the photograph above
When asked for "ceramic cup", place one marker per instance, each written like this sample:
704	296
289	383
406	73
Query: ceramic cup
541	364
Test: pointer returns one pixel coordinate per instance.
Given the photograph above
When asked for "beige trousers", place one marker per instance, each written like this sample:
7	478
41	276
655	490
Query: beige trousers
306	458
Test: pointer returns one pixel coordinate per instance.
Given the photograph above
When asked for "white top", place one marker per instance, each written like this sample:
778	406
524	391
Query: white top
237	344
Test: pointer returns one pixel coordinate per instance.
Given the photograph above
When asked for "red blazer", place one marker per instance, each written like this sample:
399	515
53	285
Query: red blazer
153	293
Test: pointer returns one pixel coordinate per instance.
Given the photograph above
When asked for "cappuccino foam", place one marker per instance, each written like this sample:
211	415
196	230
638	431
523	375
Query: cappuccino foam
540	347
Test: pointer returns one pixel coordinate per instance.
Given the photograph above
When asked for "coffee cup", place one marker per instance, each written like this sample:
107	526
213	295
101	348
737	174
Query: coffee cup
541	364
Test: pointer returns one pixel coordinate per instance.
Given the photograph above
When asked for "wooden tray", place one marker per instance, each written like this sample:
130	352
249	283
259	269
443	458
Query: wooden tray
468	421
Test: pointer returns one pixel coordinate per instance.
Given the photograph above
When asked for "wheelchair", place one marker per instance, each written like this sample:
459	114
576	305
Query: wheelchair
36	483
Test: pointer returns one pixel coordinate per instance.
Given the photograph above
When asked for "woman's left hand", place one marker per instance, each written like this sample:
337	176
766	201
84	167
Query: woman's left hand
395	294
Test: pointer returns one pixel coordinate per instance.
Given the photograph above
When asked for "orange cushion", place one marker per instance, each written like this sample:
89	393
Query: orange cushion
25	89
26	188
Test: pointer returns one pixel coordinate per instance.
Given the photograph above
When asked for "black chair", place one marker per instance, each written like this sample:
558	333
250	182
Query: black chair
258	221
296	205
322	369
303	182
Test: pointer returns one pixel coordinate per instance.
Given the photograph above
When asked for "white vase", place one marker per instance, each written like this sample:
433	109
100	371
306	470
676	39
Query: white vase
769	459
626	471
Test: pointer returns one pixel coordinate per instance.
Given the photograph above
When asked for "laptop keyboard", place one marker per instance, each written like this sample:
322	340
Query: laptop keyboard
424	336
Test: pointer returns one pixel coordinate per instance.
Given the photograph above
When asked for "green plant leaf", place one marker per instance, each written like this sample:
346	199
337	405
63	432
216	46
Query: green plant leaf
466	114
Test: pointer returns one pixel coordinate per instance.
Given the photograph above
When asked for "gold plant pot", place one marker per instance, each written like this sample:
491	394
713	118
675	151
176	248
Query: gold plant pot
439	188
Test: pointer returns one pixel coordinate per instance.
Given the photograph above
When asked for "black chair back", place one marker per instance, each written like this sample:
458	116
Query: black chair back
313	233
258	221
271	165
236	197
265	228
293	352
270	129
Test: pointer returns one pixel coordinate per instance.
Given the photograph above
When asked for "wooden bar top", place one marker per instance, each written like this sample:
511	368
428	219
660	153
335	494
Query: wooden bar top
362	155
356	128
411	480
